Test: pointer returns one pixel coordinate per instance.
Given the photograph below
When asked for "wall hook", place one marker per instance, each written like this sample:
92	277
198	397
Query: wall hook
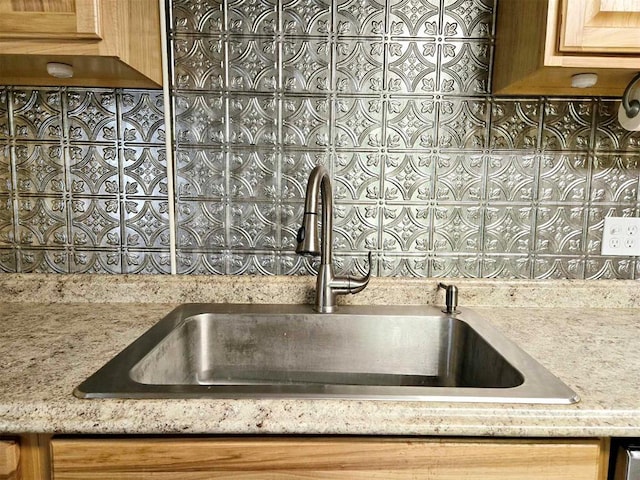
631	107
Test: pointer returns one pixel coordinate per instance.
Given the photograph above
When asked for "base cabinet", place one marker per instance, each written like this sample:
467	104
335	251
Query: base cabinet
253	458
9	459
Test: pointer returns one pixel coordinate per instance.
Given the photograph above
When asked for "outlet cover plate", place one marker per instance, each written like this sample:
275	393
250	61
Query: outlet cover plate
621	236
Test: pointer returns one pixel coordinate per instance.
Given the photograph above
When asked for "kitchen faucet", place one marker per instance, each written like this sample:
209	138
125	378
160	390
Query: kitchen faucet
328	286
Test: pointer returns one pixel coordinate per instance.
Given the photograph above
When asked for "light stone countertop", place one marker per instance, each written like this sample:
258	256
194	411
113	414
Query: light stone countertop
57	330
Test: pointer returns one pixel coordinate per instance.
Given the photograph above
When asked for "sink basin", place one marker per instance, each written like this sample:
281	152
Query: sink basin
259	351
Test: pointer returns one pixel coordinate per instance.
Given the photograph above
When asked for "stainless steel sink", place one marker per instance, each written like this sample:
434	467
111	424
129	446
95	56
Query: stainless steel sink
259	351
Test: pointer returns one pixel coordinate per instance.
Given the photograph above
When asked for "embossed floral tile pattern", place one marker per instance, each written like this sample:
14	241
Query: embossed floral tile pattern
430	172
83	184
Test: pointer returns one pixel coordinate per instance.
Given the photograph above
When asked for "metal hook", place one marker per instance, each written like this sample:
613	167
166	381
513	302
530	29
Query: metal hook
631	107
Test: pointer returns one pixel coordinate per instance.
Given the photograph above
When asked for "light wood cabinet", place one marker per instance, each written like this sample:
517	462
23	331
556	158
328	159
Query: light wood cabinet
541	44
9	458
49	19
608	26
326	458
111	43
35	459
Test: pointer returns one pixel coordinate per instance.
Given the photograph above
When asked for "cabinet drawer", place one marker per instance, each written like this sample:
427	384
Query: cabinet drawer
328	458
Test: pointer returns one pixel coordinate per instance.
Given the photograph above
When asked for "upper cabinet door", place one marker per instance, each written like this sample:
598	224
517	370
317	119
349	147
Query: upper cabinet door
108	43
49	19
609	26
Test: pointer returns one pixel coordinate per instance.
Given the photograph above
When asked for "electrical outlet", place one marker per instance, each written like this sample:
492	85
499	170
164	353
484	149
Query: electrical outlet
621	236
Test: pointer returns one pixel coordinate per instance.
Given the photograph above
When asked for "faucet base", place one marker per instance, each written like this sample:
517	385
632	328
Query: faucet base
325	308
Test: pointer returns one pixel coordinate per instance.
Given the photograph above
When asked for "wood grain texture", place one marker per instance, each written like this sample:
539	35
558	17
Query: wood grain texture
520	42
528	62
115	43
50	20
9	458
37	5
605	452
600	26
35	463
620	5
332	458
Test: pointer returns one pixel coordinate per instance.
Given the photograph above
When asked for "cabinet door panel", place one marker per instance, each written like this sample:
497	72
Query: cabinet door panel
49	19
609	26
314	458
9	456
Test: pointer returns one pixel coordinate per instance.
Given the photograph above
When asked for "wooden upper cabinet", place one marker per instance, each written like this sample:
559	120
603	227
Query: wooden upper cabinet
608	26
541	44
109	43
49	19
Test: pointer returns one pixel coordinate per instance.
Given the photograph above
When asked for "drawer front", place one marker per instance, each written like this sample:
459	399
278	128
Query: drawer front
329	458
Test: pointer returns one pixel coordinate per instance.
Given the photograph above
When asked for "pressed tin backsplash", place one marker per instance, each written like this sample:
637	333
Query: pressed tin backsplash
83	182
430	172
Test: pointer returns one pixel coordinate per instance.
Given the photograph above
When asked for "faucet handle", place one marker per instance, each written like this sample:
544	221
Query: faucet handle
369	257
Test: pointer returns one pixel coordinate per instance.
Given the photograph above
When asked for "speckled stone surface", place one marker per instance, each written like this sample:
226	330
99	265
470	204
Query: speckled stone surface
51	288
52	341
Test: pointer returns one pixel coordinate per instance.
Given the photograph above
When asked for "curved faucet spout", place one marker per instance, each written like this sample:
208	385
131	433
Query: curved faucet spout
328	286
